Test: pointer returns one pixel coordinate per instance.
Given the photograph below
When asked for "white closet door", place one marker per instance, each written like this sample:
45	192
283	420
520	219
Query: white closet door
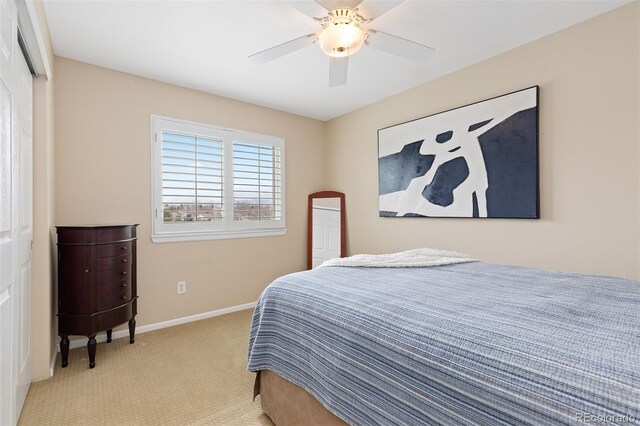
23	130
8	208
326	235
16	218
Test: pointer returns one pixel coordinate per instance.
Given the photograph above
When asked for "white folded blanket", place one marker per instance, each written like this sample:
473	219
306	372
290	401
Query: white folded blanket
421	257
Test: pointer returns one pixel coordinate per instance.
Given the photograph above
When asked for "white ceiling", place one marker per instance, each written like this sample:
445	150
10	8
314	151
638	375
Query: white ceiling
204	45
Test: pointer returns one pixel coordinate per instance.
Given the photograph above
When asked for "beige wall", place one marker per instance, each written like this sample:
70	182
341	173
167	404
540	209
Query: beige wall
43	323
589	154
103	176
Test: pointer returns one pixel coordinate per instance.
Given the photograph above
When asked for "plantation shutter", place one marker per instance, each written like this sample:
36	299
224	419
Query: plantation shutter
257	184
192	178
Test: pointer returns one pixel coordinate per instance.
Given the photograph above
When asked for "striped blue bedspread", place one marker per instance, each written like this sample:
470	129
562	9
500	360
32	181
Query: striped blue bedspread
473	343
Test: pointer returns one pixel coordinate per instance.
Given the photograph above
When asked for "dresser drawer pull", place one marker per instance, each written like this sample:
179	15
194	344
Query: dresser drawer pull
124	298
124	260
123	248
124	272
123	285
87	270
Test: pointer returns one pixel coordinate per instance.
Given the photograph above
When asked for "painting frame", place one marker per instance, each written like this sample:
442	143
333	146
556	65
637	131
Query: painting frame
479	160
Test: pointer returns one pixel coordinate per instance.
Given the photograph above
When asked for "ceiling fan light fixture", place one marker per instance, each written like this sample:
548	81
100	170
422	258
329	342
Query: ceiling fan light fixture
339	40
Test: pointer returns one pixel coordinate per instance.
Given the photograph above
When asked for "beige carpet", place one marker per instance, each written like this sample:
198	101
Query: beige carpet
191	374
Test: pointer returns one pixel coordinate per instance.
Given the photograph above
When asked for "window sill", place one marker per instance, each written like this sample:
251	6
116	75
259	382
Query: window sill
220	235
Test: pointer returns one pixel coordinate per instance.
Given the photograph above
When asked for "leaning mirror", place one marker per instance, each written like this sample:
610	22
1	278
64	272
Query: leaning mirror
326	236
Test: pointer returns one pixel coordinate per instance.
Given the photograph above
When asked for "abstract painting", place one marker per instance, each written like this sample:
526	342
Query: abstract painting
479	160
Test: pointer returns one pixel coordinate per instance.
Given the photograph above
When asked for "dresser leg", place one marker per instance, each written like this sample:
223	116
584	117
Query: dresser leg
64	349
109	331
91	348
132	330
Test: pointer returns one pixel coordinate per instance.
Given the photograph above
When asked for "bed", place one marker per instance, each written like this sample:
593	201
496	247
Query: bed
469	343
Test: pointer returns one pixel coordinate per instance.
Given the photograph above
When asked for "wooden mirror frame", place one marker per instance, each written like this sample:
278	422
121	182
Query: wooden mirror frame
325	194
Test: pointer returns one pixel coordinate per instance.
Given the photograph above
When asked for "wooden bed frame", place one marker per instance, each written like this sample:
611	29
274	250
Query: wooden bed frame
288	404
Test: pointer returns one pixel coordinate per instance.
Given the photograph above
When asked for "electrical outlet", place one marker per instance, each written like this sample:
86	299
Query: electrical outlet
181	288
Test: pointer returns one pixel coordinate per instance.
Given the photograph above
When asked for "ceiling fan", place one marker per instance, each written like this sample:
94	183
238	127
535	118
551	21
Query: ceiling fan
341	34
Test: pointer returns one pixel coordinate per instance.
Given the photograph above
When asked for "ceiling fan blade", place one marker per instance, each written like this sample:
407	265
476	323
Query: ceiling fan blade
338	68
399	46
338	4
309	7
283	49
372	9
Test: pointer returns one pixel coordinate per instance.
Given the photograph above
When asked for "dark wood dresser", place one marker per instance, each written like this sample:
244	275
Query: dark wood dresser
96	283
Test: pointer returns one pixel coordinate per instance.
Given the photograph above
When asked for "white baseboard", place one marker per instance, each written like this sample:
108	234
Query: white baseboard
156	326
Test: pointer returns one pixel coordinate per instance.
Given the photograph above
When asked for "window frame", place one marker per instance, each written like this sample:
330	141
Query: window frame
227	228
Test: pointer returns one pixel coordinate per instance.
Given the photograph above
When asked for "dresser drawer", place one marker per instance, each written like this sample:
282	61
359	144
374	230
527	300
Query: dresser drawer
121	288
123	272
117	249
117	296
106	234
115	262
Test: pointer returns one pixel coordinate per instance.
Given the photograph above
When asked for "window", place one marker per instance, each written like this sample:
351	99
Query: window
213	183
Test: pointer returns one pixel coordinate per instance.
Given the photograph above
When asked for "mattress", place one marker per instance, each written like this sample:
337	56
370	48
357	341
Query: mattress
472	343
